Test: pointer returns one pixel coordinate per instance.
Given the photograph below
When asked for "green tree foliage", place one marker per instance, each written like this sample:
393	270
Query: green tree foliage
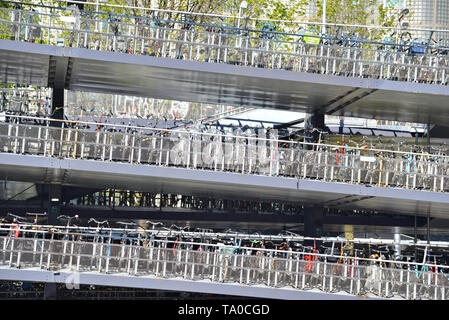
353	12
266	9
347	12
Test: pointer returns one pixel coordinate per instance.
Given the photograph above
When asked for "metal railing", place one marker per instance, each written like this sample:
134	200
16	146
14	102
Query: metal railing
145	253
225	20
242	152
202	42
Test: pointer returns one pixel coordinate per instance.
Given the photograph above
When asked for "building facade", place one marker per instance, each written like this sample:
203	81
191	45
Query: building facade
430	14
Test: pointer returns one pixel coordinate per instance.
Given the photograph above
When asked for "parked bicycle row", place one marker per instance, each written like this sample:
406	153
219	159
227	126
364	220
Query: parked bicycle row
354	35
302	51
242	152
25	101
358	267
152	127
125	198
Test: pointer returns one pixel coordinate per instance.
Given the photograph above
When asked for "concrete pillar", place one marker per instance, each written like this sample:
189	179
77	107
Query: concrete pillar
311	121
54	203
313	221
341	125
57	108
50	291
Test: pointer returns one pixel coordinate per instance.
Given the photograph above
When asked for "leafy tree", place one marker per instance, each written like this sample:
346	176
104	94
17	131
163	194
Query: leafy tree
268	9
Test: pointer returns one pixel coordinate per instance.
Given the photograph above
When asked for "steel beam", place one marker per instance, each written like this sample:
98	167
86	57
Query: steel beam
122	280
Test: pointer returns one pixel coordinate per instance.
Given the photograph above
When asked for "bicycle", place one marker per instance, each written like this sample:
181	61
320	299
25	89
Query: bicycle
37	235
68	218
126	243
66	237
98	240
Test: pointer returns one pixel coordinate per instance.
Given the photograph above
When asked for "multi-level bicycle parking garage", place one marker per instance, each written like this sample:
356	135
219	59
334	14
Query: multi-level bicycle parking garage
290	179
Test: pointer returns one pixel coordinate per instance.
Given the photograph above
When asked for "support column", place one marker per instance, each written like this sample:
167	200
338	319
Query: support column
311	121
313	221
54	203
57	108
341	125
50	291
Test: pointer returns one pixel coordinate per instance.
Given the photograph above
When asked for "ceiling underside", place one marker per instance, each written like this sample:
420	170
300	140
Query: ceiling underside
107	72
221	185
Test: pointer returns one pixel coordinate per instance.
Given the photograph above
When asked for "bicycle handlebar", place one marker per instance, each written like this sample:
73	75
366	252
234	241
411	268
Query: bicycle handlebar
67	217
15	216
180	228
98	222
